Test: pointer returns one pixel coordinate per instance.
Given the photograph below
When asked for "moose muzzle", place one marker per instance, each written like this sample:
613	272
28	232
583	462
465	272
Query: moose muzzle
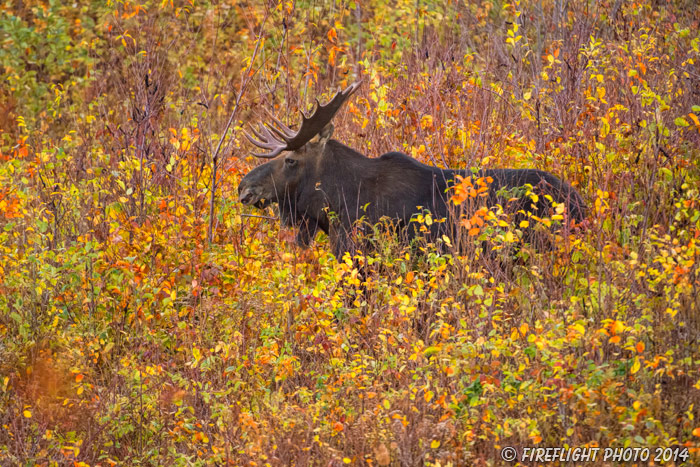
247	196
253	195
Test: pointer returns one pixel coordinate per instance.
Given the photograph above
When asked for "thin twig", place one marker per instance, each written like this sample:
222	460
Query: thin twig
215	160
260	217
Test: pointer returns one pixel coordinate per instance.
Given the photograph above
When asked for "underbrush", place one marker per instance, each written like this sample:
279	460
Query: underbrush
148	318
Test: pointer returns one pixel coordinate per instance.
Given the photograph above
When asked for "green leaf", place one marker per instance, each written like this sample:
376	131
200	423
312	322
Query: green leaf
666	174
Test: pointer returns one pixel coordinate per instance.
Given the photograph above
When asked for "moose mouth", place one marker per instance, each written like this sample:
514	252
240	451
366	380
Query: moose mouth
250	196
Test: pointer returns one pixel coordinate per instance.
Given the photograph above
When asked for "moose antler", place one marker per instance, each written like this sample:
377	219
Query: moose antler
281	138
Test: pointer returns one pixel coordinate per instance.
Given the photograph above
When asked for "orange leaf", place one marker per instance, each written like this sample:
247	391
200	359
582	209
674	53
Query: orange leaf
332	35
694	118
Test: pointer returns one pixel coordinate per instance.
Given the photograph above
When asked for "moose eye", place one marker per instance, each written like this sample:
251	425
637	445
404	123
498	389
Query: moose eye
290	162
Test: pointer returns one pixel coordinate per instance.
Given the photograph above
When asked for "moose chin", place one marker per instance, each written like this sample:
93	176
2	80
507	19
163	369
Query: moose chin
319	183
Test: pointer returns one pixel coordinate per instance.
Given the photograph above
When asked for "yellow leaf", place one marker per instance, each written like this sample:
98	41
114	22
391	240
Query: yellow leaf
618	327
524	328
600	92
435	444
27	414
108	347
346	460
635	366
578	327
428	396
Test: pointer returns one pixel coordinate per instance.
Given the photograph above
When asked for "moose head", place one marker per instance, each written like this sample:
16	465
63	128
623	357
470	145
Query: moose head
291	177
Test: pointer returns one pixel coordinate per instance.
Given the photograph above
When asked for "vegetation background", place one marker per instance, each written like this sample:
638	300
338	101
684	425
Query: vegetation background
145	319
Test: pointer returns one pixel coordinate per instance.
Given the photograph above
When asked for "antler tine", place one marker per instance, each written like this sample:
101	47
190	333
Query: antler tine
258	134
322	116
282	129
269	155
266	141
284	135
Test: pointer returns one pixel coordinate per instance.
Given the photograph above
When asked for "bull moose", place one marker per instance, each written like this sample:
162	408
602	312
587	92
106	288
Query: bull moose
319	183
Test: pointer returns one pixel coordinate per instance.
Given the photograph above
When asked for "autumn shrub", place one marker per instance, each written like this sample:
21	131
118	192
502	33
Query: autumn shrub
148	318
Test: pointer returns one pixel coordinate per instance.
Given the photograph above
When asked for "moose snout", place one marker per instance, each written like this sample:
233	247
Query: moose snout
247	196
253	195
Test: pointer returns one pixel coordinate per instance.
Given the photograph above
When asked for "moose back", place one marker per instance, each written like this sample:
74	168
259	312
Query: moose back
319	183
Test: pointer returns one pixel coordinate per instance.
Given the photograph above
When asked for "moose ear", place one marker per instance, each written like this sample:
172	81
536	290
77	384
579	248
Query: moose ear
325	134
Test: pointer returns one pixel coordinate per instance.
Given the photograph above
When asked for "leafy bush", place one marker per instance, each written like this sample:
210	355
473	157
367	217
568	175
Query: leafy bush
146	317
